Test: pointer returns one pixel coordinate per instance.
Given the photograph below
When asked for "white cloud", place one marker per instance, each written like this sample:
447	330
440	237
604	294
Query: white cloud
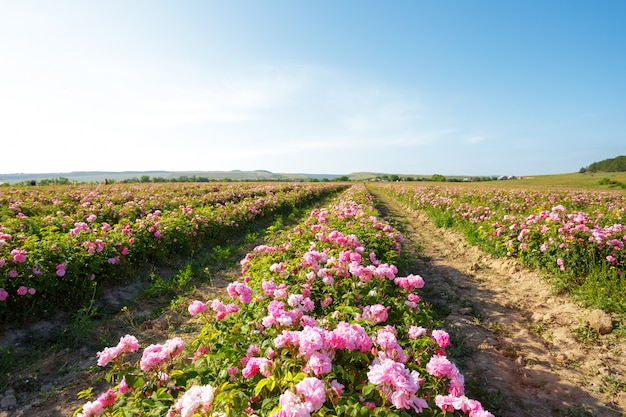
104	113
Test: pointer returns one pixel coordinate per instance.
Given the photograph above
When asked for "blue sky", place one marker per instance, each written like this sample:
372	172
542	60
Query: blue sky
408	87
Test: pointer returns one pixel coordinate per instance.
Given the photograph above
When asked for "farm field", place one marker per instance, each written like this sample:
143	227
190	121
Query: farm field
576	237
58	243
342	267
588	180
319	324
526	349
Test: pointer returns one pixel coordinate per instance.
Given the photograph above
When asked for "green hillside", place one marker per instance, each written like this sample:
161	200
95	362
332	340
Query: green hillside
161	176
617	164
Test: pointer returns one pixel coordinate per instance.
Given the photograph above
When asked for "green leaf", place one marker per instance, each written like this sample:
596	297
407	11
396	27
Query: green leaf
367	389
271	383
86	394
260	385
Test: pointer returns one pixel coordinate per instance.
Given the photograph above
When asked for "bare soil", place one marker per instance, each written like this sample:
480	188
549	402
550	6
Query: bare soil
524	350
518	343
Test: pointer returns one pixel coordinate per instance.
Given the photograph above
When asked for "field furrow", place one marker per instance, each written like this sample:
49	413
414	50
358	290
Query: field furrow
527	350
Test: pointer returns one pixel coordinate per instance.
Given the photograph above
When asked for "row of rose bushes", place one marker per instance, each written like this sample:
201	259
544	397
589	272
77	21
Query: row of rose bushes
578	237
320	324
132	201
57	242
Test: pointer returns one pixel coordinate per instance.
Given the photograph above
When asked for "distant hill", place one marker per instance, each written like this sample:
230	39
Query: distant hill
617	164
100	176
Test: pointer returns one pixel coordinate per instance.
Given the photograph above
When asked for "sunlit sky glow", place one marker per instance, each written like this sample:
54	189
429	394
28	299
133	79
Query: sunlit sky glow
453	87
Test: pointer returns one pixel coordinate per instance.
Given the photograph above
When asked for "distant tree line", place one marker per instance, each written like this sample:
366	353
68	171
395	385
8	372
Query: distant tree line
617	164
182	178
434	177
194	178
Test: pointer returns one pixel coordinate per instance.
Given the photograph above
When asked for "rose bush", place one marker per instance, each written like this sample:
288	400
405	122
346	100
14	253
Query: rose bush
318	325
578	237
58	242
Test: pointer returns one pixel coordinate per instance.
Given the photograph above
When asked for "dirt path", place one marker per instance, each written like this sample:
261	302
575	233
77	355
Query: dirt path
516	340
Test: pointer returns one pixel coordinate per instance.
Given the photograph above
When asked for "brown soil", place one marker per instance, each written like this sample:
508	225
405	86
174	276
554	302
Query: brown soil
57	379
515	338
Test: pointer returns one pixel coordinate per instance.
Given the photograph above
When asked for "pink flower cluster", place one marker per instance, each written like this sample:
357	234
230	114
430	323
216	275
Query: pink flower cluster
279	268
19	255
440	366
410	282
198	397
23	290
271	289
449	403
416	331
317	346
255	365
196	307
221	310
375	314
277	315
127	343
78	228
96	408
95	246
349	336
335	237
388	346
241	290
299	301
309	396
397	384
441	337
156	355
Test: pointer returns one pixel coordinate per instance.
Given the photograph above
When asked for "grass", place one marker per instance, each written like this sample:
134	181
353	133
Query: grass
613	385
604	287
580	411
589	180
571	180
540	330
585	336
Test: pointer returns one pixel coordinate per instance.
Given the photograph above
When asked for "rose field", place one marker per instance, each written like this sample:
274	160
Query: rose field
325	315
319	324
58	243
577	237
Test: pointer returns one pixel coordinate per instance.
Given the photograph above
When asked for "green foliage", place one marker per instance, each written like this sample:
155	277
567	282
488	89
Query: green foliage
617	164
164	287
82	328
54	181
441	218
611	183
